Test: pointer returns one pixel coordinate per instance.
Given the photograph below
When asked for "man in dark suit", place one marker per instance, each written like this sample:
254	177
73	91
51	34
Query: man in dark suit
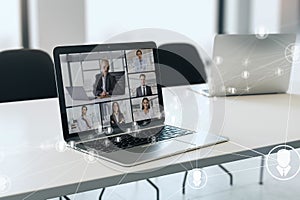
105	82
143	90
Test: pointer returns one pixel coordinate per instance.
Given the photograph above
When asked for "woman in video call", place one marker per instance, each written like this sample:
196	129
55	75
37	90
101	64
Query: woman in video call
147	112
117	116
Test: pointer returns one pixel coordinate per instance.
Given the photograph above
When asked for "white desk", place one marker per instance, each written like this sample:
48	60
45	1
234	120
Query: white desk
251	122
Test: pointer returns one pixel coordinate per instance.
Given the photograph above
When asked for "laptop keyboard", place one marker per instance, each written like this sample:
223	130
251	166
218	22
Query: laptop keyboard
126	141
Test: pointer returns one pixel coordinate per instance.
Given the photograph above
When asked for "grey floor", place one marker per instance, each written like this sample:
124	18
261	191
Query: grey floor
246	177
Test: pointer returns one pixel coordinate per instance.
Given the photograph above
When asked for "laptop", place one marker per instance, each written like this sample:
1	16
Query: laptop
249	64
78	93
129	128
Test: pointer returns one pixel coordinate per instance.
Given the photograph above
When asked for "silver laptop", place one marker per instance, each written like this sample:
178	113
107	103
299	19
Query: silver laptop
125	128
250	64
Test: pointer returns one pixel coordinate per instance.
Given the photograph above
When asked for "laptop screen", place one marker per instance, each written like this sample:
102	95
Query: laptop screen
108	87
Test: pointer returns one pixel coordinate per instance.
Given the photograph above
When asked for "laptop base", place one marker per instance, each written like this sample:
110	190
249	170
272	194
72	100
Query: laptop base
149	152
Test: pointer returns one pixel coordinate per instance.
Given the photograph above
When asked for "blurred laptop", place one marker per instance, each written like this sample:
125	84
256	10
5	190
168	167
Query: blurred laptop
130	129
78	93
250	64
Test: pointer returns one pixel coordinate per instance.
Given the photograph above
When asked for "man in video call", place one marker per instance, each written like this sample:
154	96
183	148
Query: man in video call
140	63
84	122
143	90
105	82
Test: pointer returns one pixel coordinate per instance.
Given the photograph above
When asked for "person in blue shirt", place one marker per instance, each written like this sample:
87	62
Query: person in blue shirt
139	63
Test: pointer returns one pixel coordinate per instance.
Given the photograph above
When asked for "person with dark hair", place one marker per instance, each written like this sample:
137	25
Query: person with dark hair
143	90
84	122
117	116
139	63
105	82
146	112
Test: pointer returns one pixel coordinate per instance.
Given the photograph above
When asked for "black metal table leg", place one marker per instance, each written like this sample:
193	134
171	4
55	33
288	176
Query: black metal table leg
262	166
184	182
65	197
101	194
155	187
227	172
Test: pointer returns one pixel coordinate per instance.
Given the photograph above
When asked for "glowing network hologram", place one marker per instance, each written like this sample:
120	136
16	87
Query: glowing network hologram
197	178
283	162
4	184
292	53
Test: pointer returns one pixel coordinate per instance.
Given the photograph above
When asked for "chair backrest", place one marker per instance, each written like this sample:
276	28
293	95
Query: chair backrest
26	75
181	64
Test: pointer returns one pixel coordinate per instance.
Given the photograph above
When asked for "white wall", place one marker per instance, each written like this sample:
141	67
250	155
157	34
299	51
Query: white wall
194	19
265	14
10	34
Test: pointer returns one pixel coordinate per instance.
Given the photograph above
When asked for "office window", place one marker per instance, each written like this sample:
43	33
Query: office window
10	34
194	19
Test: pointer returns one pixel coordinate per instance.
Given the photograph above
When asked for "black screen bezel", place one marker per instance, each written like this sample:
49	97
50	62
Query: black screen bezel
98	47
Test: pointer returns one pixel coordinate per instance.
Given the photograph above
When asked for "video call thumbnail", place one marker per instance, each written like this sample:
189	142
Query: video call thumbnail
140	60
145	108
116	113
142	84
83	118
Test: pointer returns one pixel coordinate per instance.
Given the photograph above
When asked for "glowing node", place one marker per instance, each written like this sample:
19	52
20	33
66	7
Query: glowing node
245	74
248	89
218	60
246	62
197	178
283	162
279	72
72	144
90	156
231	90
292	53
99	129
262	33
60	146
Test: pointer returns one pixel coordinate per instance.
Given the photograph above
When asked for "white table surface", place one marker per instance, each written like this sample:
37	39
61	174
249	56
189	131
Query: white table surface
29	131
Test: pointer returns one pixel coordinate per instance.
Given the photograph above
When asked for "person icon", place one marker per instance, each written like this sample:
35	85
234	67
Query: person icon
143	90
139	63
84	122
117	116
283	160
105	82
197	178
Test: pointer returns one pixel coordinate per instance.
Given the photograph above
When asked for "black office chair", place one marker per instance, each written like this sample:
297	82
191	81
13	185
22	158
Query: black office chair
181	64
26	75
